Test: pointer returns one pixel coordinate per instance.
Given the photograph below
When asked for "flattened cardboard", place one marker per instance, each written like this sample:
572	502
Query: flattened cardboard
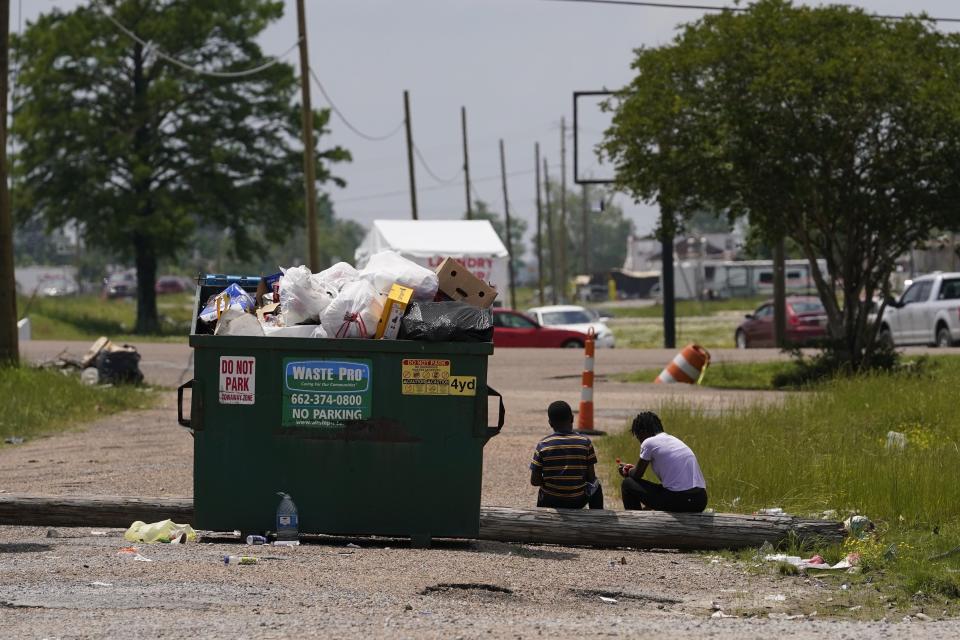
458	283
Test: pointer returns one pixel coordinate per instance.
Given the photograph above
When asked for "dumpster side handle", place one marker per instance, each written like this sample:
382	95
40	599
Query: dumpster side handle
196	409
492	431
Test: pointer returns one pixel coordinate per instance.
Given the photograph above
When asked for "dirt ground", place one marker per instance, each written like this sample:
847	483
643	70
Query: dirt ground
72	583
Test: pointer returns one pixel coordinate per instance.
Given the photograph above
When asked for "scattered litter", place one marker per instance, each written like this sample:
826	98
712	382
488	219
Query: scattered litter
163	531
134	553
253	539
97	533
721	614
90	376
796	616
922	616
856	608
350	545
715	606
14	440
845	586
608	600
771	511
858	526
101	584
896	441
240	560
777	597
286	543
816	562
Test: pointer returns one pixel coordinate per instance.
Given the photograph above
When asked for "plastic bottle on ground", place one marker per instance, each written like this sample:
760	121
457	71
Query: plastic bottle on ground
255	539
287	521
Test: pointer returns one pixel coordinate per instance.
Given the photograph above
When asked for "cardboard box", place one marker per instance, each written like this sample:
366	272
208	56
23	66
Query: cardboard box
393	309
458	283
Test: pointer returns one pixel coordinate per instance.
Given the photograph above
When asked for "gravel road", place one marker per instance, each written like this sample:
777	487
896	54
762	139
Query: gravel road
72	583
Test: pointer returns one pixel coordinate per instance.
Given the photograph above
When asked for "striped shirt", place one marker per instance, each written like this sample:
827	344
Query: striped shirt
563	459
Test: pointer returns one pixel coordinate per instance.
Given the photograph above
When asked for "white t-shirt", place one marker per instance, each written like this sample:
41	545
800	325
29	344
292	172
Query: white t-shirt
673	462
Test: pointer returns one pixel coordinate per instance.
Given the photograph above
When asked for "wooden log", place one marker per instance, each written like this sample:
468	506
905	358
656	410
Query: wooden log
90	511
637	529
649	529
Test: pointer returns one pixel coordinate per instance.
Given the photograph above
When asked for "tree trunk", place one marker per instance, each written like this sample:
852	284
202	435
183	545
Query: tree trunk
146	260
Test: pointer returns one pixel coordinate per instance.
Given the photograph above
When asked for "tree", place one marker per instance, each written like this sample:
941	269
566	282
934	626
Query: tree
821	125
141	151
606	237
518	229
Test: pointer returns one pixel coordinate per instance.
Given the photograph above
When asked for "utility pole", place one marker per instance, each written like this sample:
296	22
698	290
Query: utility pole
9	349
506	217
536	163
779	294
563	206
585	231
413	177
550	236
666	272
466	162
309	170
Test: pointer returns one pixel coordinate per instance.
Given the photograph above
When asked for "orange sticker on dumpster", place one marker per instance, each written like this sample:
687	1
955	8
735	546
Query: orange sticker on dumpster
425	377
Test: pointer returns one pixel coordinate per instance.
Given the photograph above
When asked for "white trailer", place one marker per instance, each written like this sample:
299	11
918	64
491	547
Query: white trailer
739	278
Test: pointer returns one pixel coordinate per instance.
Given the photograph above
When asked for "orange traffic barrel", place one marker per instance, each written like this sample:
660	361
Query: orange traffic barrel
688	366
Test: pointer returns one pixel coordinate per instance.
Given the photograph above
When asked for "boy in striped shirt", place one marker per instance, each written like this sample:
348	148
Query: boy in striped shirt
562	465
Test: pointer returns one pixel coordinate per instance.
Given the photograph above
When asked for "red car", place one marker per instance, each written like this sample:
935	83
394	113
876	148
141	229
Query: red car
806	323
515	329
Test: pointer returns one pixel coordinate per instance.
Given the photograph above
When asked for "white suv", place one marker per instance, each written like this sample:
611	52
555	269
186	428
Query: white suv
928	312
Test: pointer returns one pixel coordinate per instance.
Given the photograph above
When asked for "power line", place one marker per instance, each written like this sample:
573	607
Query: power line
423	161
343	118
393	194
734	9
183	65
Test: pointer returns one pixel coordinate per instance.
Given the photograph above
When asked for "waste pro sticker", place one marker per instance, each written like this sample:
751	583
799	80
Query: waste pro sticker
237	378
425	377
326	393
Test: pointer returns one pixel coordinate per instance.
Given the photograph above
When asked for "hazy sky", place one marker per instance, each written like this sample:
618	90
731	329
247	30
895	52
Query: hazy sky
513	64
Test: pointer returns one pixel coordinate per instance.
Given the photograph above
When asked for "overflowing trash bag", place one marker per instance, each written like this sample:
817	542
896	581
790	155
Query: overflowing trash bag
447	322
387	268
119	365
304	296
354	312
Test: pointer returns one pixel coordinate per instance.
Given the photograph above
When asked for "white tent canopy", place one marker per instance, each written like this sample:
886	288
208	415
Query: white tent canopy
428	242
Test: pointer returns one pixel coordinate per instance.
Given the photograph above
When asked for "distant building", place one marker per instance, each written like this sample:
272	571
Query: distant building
643	253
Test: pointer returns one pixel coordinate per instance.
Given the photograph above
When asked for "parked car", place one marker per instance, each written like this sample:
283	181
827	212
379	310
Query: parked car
928	312
56	287
574	318
122	284
515	329
172	284
806	323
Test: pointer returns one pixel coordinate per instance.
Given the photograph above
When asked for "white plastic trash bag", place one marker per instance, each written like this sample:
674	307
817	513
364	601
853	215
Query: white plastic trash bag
389	267
233	322
338	275
303	296
354	312
319	332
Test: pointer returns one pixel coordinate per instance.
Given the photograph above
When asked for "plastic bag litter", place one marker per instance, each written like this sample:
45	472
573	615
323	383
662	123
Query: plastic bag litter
238	323
338	275
354	312
303	296
386	268
233	297
447	322
319	332
163	531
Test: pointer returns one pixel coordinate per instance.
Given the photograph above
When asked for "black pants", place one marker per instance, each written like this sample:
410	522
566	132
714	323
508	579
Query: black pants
595	501
643	494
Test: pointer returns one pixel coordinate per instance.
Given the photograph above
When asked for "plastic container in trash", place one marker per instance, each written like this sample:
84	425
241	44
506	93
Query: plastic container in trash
287	521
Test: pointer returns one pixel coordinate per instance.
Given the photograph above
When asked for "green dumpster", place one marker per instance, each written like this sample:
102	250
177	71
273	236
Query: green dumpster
369	437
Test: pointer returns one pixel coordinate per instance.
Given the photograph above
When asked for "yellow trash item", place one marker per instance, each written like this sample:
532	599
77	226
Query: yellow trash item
163	531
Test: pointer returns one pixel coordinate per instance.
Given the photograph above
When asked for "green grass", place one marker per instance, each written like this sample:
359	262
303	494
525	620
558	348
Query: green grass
35	401
825	449
644	333
690	308
720	375
88	317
